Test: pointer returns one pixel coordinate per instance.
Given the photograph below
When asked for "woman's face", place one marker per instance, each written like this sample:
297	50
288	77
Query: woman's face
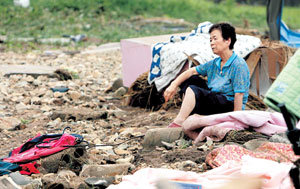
217	43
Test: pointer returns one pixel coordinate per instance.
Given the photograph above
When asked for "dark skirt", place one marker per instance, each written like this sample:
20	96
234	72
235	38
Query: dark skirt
207	102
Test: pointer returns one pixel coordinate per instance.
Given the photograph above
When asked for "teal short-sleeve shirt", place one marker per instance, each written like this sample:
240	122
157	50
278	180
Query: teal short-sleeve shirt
234	77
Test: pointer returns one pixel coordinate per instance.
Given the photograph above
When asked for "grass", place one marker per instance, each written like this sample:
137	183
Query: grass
111	20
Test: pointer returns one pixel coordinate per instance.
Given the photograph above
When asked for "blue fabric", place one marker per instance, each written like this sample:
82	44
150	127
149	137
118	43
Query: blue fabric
6	168
234	78
156	62
155	70
287	36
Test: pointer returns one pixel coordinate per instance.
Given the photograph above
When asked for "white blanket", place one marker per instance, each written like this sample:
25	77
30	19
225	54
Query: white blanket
171	58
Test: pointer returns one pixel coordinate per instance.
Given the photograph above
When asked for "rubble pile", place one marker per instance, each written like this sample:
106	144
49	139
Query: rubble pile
119	139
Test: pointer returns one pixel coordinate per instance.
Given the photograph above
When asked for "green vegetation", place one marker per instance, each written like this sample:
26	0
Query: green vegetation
111	20
24	121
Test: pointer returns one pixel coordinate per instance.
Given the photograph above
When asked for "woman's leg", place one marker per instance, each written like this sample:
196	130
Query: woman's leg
207	103
193	80
187	106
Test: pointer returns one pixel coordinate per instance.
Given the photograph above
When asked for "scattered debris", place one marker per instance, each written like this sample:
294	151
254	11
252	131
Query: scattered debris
63	74
29	105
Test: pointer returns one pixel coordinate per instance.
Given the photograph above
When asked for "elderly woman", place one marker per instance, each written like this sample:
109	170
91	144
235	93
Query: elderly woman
227	83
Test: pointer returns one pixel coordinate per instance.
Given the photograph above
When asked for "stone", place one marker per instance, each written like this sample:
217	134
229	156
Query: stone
96	182
126	160
36	101
21	107
186	164
96	74
123	146
46	108
33	70
97	141
101	99
57	94
255	143
121	152
94	151
168	146
52	181
9	122
99	181
104	170
107	149
118	113
207	146
71	158
75	95
78	114
8	183
120	92
154	137
66	174
2	107
280	138
29	79
117	84
19	179
37	82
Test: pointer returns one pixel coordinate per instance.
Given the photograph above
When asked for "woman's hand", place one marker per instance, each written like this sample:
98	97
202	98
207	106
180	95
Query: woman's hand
172	89
170	92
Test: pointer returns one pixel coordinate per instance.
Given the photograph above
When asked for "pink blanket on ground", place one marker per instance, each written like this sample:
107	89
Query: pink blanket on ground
278	152
274	175
216	126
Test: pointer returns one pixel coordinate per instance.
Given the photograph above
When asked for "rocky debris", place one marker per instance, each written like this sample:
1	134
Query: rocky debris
120	92
253	144
66	180
280	138
120	139
155	137
118	83
78	114
17	181
9	123
33	70
69	159
63	74
105	170
99	181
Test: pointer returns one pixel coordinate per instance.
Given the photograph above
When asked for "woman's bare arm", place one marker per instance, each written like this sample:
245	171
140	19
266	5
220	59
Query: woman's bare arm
238	101
172	89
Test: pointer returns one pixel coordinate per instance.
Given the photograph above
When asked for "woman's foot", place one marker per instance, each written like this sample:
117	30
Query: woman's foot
174	125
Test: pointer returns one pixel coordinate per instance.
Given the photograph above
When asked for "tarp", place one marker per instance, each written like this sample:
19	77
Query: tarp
278	29
288	36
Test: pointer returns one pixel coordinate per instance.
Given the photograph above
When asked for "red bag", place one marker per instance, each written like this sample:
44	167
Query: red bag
41	146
